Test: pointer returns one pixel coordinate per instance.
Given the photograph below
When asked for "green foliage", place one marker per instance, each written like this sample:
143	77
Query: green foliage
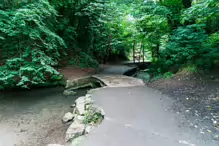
213	40
185	45
19	73
187	69
121	27
193	37
84	61
194	43
153	26
36	35
82	26
174	7
204	12
92	117
168	75
28	46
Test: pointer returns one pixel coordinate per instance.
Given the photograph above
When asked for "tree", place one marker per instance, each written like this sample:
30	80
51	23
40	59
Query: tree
37	35
185	45
154	24
28	46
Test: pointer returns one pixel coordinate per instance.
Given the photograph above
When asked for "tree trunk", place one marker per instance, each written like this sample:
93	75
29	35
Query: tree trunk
156	51
133	49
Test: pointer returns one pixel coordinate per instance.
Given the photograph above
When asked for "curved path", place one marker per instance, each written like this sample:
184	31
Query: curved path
135	116
33	118
119	80
140	116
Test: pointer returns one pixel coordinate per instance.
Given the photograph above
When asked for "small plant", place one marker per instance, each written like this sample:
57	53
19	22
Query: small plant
157	77
168	75
84	61
92	116
189	69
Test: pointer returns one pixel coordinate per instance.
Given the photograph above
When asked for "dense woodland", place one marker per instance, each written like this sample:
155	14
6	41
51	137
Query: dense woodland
38	35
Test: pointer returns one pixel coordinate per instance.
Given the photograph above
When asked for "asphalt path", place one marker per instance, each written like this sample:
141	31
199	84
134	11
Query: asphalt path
140	116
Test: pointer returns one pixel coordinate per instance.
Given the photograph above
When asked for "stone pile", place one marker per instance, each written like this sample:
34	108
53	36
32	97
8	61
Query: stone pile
84	117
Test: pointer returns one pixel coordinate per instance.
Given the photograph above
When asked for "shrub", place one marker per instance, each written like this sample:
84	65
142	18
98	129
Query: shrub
84	60
186	46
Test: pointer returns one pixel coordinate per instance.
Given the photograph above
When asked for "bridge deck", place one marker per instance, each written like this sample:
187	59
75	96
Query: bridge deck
137	61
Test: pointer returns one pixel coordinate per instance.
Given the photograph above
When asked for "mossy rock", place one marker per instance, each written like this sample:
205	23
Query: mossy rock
83	83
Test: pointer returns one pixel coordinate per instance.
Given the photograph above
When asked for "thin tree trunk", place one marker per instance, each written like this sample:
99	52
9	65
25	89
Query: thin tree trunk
155	51
133	52
158	49
143	50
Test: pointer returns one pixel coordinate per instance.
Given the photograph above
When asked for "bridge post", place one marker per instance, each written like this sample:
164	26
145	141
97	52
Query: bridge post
134	51
143	51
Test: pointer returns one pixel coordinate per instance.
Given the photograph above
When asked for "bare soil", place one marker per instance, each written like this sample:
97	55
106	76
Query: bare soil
71	72
198	97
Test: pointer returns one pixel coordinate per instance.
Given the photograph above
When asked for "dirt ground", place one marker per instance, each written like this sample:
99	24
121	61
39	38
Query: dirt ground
198	95
75	72
72	72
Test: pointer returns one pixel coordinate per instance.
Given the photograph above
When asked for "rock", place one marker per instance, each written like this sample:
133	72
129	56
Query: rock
96	109
87	95
75	130
216	137
77	141
67	117
88	100
23	130
84	99
79	119
88	129
102	112
81	82
93	90
144	76
80	109
54	145
80	105
69	93
88	106
73	105
74	111
80	100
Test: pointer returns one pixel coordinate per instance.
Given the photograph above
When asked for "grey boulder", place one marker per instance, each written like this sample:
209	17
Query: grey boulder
67	117
75	130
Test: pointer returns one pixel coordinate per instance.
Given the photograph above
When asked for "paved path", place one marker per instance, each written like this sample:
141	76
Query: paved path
139	116
119	80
